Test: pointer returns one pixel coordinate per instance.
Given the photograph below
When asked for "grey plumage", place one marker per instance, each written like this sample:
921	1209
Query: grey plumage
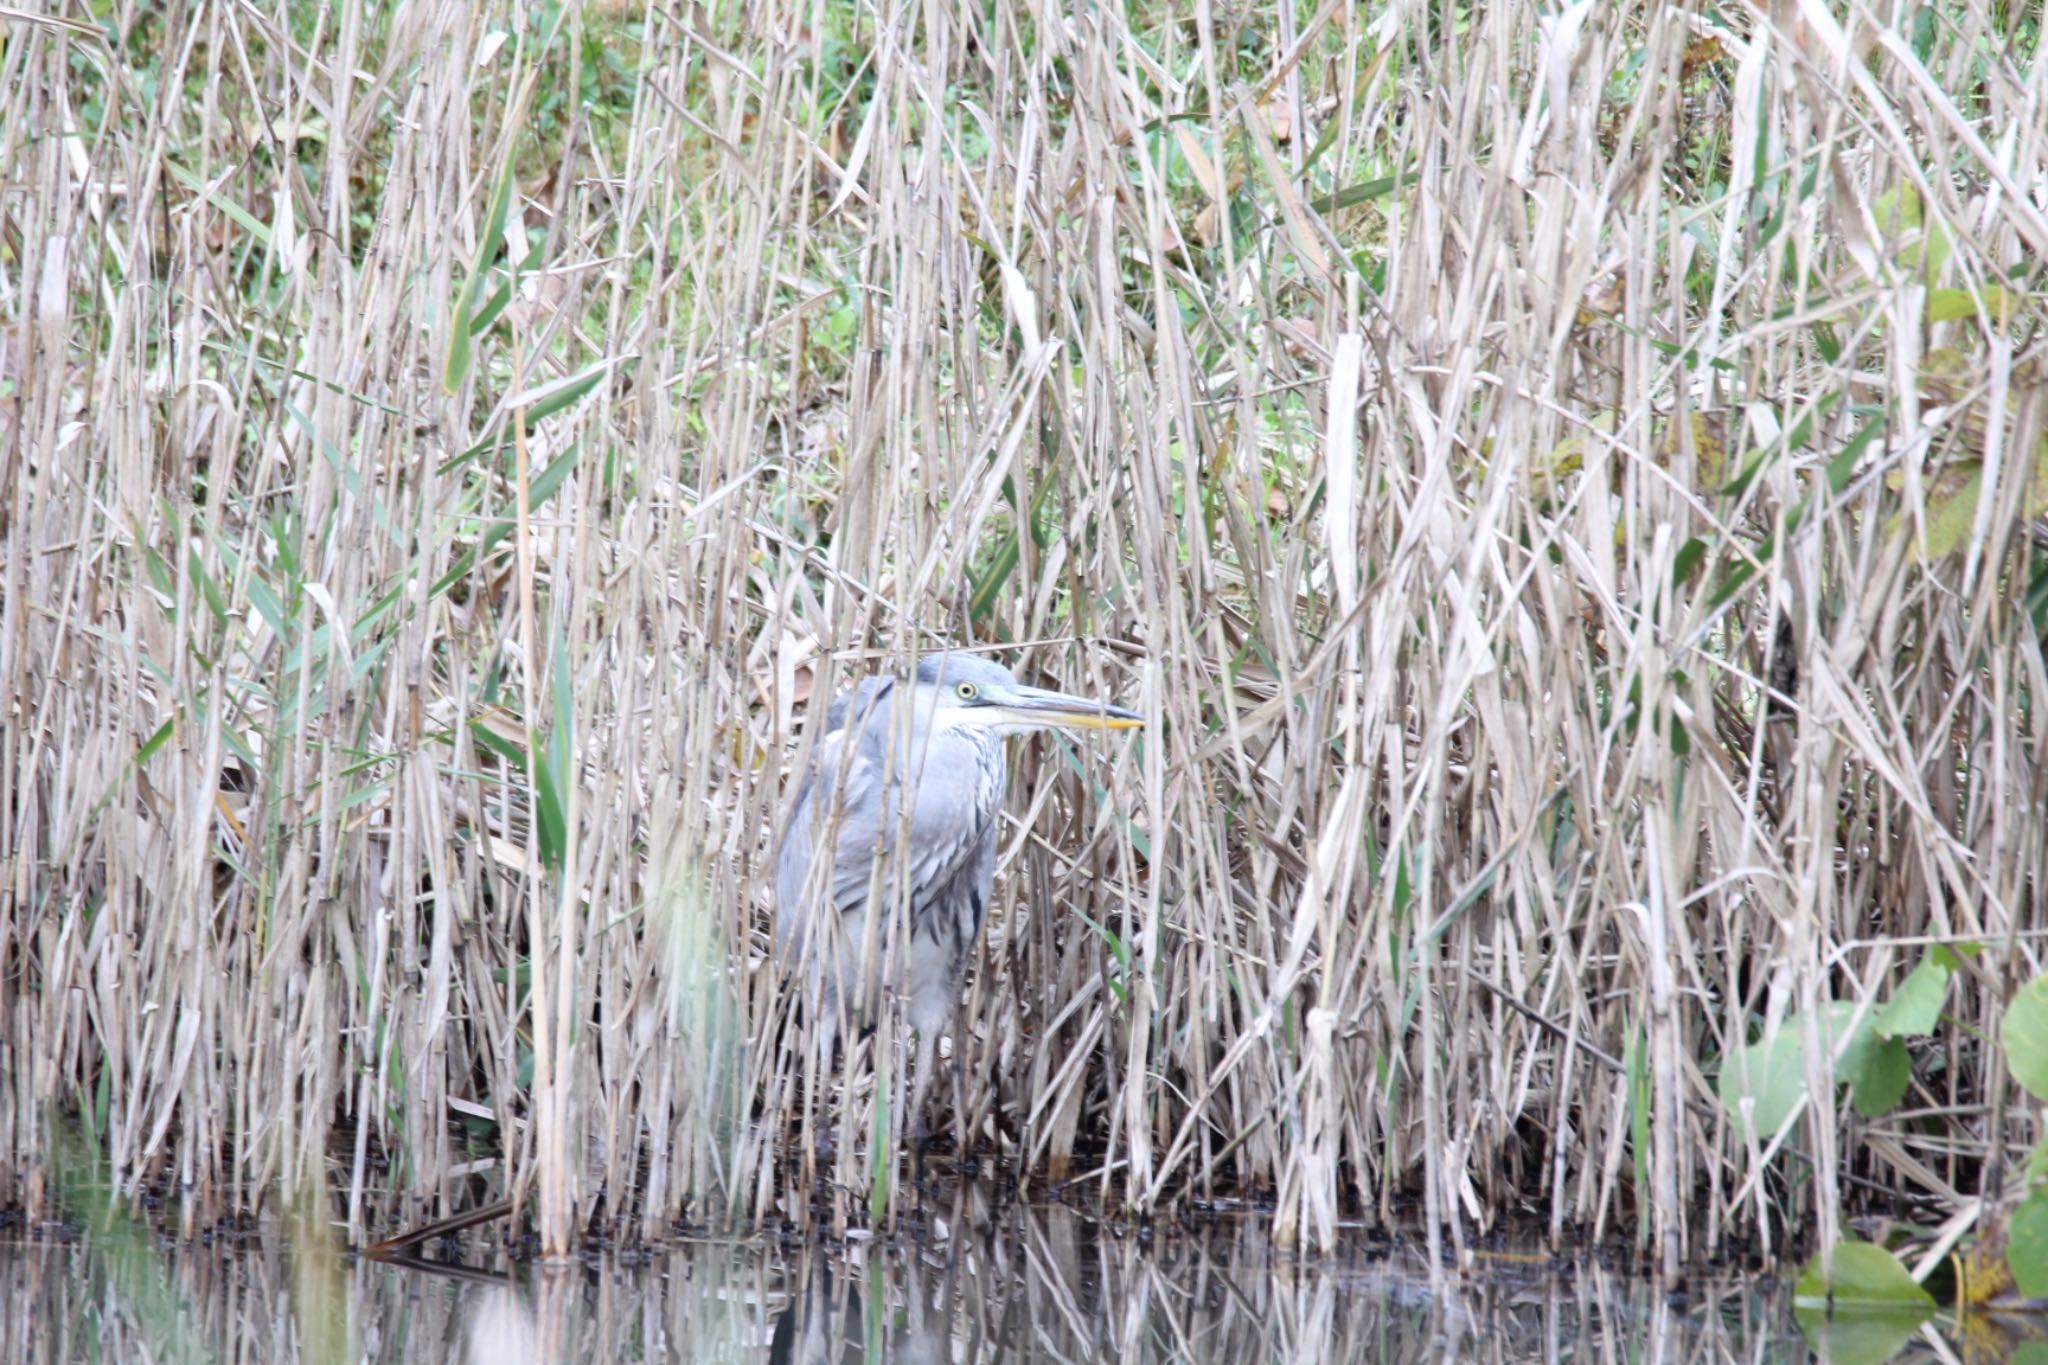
905	789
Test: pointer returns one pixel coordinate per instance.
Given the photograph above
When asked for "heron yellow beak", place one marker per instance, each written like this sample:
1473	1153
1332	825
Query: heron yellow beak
1036	706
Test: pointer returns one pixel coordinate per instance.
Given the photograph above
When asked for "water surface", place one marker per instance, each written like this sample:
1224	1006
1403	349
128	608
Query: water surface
1038	1285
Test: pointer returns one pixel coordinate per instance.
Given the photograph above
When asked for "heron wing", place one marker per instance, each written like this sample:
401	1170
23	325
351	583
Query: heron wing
849	719
956	786
855	779
959	789
942	855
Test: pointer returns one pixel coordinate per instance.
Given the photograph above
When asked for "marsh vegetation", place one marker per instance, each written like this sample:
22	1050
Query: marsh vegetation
1566	487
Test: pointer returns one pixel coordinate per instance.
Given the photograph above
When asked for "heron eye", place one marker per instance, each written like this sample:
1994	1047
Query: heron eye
966	691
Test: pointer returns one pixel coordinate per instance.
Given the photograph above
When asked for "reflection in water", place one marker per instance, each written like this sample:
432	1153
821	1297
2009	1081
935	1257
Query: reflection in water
1036	1285
1058	1289
499	1327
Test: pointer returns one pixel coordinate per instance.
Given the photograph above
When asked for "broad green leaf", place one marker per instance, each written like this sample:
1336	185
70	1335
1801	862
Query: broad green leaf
1865	1276
1948	305
1869	1310
2026	1247
1545	472
1952	511
1915	240
1883	1071
1915	1007
1951	498
1877	1071
1771	1074
2025	1035
1897	211
1859	1337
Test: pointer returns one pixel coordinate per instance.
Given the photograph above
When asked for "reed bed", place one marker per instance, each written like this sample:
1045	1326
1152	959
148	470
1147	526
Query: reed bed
1565	484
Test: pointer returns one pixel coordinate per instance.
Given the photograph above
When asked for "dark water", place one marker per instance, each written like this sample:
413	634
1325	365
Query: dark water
1038	1286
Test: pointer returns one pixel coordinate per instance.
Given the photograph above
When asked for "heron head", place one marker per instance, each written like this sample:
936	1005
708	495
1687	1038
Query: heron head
971	693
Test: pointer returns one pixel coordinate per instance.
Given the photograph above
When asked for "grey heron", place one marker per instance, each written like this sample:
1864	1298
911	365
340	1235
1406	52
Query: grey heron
902	796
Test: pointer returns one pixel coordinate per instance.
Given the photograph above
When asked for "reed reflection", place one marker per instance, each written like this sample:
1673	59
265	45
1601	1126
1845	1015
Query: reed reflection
975	1282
